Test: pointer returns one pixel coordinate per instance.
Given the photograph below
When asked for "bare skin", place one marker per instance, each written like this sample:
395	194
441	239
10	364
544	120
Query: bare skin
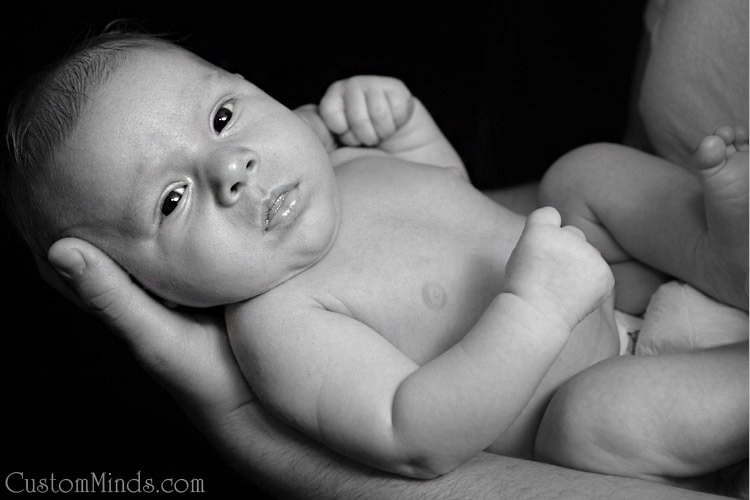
592	424
215	395
694	73
721	162
375	300
442	274
365	288
173	344
698	233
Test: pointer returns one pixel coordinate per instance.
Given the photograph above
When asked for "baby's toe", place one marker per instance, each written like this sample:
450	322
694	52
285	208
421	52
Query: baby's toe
711	152
740	138
727	133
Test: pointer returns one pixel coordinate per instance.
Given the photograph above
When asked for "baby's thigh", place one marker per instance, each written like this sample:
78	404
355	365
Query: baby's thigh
653	417
609	190
696	74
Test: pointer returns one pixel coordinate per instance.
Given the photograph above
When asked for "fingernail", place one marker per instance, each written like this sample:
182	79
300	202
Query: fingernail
68	263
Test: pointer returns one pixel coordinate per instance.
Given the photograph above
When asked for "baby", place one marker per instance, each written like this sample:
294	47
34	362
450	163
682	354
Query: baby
374	299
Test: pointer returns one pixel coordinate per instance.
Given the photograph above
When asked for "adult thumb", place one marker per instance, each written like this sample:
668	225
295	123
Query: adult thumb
106	290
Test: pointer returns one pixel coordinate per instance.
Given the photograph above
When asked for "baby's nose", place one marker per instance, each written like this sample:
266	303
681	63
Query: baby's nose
232	173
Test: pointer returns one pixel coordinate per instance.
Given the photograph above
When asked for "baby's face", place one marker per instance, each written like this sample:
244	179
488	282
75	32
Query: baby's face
204	188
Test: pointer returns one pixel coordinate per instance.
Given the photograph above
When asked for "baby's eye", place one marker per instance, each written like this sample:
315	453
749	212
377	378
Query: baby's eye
172	200
222	117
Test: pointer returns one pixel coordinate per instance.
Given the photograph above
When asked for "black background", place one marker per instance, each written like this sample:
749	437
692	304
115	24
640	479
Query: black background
513	86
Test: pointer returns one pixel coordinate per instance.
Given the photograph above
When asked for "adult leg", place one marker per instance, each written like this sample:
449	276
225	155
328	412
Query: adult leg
694	73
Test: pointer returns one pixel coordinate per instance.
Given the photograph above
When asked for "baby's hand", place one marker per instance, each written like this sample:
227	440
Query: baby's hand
556	270
366	110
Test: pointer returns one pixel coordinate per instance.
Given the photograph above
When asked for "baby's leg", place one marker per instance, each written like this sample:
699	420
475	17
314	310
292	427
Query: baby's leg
581	181
721	162
667	417
632	205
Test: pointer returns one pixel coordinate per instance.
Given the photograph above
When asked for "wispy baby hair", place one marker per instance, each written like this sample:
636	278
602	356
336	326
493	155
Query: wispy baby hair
42	116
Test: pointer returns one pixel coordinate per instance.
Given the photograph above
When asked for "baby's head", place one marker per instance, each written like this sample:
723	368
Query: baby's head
204	188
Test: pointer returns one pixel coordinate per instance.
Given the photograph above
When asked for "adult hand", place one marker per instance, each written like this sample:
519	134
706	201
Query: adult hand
186	351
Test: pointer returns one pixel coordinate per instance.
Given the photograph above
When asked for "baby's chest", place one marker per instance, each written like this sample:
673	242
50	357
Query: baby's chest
419	287
419	255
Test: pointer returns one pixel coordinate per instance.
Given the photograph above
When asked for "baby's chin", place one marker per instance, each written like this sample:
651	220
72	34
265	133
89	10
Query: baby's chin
201	294
181	297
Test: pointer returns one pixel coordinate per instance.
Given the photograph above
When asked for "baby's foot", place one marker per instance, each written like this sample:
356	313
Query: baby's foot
556	270
721	162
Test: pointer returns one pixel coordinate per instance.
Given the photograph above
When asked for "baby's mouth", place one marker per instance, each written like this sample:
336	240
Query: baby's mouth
282	210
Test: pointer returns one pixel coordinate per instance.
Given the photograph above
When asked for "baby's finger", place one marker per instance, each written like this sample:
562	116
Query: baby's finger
544	215
331	109
575	232
380	113
402	106
349	139
358	117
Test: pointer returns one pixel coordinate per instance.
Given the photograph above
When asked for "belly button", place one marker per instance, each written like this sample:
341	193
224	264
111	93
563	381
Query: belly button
434	295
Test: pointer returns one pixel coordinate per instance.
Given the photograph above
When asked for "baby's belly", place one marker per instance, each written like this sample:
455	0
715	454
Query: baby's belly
432	320
593	340
420	257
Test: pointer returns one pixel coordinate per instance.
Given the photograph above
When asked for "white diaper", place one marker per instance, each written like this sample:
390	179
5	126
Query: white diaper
628	328
679	318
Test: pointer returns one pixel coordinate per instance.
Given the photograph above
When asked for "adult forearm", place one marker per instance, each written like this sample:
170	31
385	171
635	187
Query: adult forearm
289	465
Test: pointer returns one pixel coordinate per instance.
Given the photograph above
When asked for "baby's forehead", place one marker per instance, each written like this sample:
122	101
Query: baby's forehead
168	60
146	111
152	89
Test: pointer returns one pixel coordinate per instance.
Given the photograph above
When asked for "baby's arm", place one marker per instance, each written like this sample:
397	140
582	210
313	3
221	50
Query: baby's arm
344	384
380	112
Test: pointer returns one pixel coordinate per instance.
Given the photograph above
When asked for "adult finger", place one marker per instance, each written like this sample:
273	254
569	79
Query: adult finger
107	291
187	353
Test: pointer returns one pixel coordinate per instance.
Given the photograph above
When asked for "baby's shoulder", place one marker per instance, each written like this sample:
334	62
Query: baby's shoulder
286	304
342	156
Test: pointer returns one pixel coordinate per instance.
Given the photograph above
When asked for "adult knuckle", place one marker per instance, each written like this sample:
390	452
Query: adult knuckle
105	303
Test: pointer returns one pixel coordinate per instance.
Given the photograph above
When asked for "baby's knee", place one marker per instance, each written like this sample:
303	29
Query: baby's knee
566	435
585	428
578	172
